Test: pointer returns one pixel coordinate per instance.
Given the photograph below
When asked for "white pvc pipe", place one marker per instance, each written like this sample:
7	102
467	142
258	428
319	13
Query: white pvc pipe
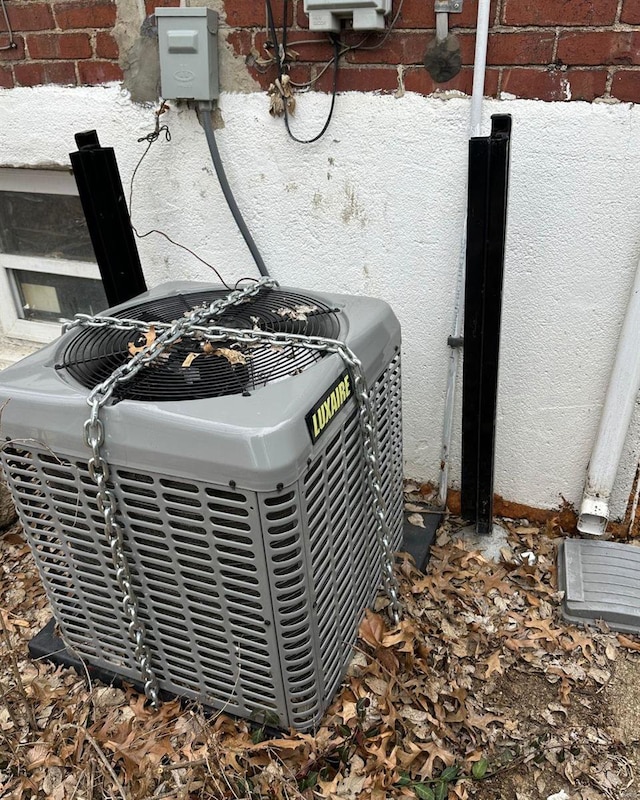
475	126
619	403
479	66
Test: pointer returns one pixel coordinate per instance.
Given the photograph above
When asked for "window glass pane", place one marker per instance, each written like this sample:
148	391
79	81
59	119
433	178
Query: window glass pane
47	297
49	225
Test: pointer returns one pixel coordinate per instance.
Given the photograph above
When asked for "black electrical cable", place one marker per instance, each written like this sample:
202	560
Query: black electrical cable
205	120
336	58
334	91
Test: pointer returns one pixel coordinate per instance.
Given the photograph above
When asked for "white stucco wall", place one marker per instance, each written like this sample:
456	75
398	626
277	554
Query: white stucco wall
376	207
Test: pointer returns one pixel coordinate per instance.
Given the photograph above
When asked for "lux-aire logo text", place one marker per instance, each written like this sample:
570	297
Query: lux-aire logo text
329	406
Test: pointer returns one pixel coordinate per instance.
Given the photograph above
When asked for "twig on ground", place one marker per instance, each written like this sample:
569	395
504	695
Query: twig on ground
31	717
103	759
4	692
200	762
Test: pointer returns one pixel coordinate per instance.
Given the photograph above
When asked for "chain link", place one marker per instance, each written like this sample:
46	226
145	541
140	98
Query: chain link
195	326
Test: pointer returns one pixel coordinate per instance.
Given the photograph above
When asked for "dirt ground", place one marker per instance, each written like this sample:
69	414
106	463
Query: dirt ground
481	692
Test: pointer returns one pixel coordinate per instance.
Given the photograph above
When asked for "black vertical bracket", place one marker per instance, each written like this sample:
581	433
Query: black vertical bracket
105	208
486	232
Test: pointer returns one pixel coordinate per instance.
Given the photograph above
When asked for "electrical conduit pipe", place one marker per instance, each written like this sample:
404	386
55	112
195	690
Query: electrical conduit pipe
619	403
475	124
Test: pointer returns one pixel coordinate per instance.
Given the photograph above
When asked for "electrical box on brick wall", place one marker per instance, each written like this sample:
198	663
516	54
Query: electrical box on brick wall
188	44
325	15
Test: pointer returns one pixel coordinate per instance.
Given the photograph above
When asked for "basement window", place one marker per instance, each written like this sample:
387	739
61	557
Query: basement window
47	266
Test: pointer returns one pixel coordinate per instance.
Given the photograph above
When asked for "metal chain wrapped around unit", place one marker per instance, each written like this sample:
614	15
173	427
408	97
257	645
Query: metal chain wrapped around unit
195	325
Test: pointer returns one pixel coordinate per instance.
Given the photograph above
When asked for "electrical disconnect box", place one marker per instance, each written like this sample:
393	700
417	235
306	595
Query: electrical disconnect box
188	41
325	15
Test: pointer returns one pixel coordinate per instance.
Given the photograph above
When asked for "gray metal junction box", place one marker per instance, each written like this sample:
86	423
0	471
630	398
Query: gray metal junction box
241	493
325	15
188	43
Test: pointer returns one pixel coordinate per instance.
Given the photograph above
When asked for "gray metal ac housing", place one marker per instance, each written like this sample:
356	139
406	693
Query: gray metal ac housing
253	549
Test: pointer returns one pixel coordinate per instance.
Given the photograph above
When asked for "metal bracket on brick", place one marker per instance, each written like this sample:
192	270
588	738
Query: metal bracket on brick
448	6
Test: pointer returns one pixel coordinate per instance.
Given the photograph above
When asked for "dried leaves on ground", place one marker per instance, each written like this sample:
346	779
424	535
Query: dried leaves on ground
482	691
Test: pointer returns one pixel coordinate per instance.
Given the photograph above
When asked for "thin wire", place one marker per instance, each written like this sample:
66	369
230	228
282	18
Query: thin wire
258	62
385	37
12	42
150	139
242	280
308	84
158	129
304	41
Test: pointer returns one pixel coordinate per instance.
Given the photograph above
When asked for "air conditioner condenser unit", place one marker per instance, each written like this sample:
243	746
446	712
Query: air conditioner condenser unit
239	478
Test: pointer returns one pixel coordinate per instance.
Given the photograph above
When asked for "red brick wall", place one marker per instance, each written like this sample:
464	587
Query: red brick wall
59	42
537	48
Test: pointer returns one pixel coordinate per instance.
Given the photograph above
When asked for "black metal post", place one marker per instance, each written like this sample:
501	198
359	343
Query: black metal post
105	208
486	232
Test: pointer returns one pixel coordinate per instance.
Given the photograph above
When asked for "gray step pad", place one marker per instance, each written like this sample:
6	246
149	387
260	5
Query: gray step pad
601	580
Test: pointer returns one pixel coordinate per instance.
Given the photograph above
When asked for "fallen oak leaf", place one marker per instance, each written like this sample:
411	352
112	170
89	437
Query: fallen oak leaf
436	753
585	643
372	629
232	356
547	633
414	715
600	676
415	507
482	721
519	644
493	665
460	695
378	751
473	555
404	634
297	313
495	581
630	644
378	686
348	711
564	692
190	359
279	744
41	756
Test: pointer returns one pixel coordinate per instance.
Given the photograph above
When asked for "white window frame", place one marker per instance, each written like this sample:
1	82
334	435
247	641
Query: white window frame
39	181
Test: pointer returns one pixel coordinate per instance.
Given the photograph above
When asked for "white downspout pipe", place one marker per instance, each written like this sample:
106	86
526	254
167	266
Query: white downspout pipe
479	66
475	123
619	403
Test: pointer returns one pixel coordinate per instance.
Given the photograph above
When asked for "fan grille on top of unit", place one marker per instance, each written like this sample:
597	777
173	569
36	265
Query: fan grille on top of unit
93	354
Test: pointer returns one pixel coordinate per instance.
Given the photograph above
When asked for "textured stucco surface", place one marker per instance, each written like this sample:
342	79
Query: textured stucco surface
376	207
